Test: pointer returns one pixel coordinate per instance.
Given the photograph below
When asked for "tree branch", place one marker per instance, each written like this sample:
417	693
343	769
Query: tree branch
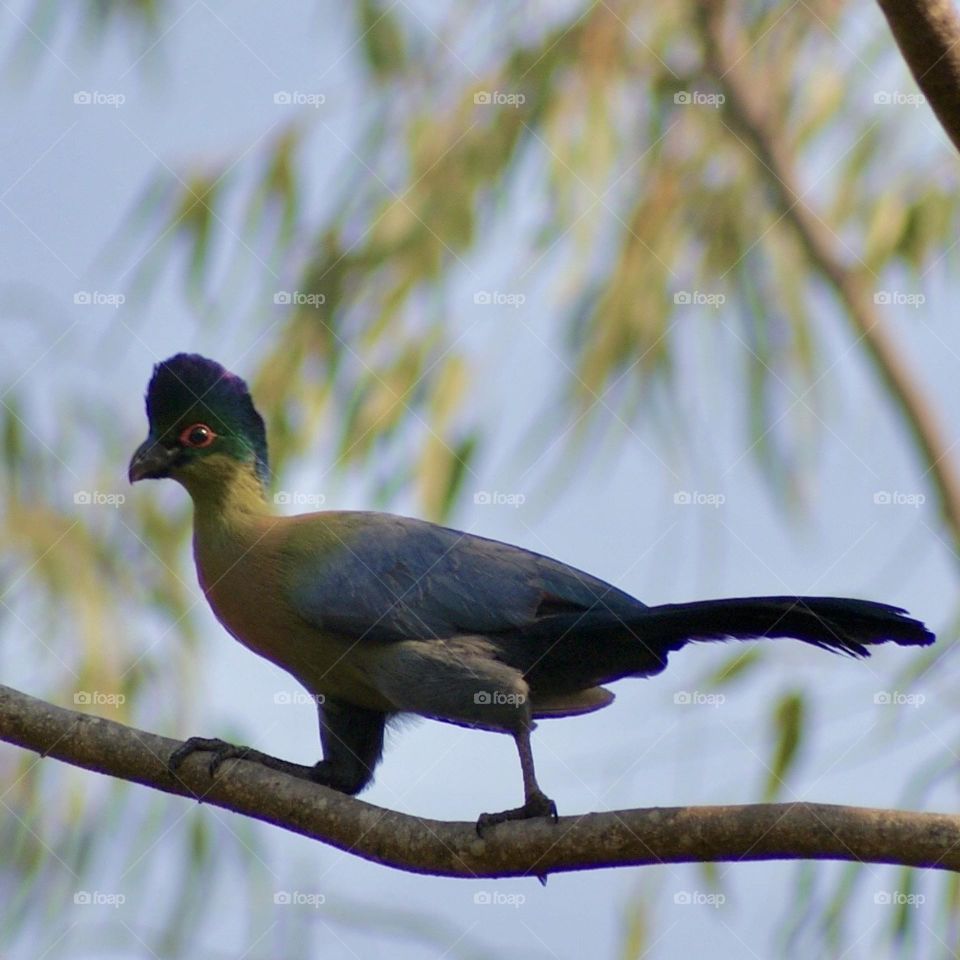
745	108
928	35
534	848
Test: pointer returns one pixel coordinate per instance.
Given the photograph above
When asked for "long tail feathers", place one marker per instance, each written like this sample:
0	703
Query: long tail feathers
570	651
832	623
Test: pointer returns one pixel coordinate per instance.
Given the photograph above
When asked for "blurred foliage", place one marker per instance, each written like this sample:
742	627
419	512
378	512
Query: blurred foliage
789	720
646	209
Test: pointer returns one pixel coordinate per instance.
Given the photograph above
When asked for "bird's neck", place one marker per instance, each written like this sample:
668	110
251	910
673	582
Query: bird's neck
231	518
229	499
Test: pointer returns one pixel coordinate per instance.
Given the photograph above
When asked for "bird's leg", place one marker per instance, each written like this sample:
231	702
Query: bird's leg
352	740
536	802
220	750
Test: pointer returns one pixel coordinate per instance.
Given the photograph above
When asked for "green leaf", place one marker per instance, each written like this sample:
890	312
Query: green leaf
735	667
789	718
382	39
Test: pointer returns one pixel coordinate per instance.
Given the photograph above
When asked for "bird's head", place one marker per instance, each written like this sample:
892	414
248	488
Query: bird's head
203	426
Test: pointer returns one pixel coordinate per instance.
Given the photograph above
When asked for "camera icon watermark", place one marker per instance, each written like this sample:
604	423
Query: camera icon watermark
97	698
98	898
696	698
896	698
297	898
898	498
697	898
98	98
499	299
896	898
698	98
299	298
299	98
696	498
496	498
899	298
699	298
299	498
499	898
297	697
98	498
896	98
498	98
97	298
499	698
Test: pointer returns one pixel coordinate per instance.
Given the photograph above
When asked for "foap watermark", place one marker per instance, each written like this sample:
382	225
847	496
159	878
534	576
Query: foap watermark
498	298
697	898
499	698
696	498
299	498
496	498
896	898
699	298
98	298
499	898
696	698
97	698
99	98
98	498
896	698
897	498
699	98
897	98
498	98
298	298
299	98
297	697
899	298
297	898
98	898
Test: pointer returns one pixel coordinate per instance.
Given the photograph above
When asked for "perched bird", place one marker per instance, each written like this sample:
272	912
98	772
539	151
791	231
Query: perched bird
378	615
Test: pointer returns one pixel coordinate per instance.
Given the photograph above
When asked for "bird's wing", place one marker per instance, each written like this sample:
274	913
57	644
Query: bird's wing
386	578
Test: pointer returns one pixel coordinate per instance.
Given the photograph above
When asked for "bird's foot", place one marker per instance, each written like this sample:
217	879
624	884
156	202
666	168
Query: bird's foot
219	751
537	805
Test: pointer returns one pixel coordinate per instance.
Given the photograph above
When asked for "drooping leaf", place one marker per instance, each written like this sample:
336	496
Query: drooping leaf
788	726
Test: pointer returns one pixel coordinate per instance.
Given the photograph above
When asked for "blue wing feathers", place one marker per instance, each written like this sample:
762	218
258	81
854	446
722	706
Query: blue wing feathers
396	578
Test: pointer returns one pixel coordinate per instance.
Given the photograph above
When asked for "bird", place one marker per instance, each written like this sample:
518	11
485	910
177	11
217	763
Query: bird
379	615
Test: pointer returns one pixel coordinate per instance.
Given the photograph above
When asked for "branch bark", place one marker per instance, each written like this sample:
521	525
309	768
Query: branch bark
749	117
928	35
535	848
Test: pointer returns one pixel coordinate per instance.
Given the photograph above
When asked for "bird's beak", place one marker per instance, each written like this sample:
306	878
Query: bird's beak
151	461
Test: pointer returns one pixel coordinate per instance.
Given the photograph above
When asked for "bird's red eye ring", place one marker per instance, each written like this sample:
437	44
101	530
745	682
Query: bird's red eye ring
197	435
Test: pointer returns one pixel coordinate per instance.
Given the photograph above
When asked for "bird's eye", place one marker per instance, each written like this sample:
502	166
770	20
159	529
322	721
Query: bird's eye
199	435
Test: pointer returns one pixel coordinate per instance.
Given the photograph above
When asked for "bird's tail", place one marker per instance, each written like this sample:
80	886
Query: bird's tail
833	623
601	647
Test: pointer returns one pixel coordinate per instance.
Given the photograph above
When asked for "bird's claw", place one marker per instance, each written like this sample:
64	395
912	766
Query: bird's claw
219	751
537	805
